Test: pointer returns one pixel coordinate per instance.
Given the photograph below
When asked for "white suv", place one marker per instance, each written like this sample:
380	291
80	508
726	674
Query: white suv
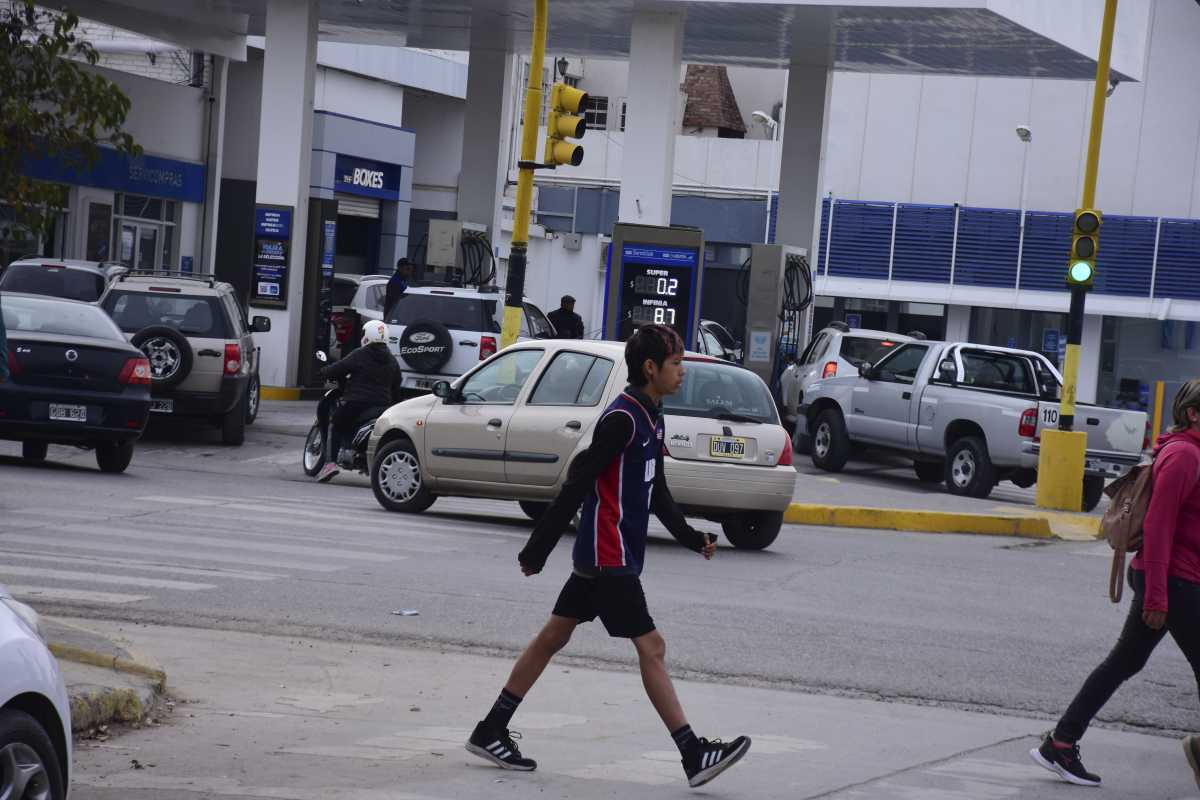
438	332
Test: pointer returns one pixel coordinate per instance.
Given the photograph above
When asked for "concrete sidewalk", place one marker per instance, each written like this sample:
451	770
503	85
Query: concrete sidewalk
287	718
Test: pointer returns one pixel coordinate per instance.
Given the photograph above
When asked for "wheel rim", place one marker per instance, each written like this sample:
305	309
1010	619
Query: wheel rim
822	440
253	401
164	357
22	774
312	449
399	476
962	470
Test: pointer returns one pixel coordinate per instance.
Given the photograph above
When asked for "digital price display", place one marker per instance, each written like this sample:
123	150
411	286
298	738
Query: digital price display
657	288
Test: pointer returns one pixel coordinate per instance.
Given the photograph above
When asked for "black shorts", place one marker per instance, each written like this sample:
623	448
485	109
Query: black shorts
617	599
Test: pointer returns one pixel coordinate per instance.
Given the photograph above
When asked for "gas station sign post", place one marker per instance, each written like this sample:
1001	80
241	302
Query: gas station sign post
654	278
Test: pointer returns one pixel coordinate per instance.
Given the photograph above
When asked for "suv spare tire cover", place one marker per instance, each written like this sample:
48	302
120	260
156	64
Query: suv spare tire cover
426	345
169	352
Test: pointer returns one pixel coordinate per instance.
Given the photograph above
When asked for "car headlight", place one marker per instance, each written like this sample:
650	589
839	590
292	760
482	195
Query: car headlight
26	613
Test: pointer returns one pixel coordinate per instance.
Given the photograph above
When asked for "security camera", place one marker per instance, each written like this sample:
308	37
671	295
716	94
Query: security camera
1024	133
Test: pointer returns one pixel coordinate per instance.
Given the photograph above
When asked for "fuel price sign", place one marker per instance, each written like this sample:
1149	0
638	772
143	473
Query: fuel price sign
657	288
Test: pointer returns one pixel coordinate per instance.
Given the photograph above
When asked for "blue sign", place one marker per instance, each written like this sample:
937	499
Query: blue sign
367	178
854	320
273	223
330	237
658	256
186	264
1050	339
148	175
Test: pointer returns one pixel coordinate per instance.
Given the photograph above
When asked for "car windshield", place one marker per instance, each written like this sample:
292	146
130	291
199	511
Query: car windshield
860	350
456	313
190	315
56	317
53	280
720	390
343	292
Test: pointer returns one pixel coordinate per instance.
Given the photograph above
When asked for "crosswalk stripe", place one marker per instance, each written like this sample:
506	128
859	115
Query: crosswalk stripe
142	566
33	594
94	577
175	552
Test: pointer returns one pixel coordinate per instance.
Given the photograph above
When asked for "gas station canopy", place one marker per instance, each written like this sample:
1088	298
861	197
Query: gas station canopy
1015	38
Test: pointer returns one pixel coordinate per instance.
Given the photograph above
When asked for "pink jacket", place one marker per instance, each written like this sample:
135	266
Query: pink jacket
1171	545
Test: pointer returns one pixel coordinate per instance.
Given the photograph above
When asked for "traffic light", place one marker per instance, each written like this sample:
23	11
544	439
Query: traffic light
1085	242
565	121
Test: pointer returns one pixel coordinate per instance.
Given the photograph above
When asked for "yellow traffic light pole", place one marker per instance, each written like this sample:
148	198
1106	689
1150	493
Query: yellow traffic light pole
514	290
1064	451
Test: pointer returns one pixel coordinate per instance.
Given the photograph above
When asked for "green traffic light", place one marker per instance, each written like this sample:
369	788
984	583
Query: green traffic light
1081	272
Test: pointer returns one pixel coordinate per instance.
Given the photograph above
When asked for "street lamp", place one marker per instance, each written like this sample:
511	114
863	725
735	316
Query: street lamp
1025	134
772	126
766	119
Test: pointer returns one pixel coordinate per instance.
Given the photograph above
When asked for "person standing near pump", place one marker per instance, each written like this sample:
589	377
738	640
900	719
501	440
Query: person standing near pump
619	480
1165	577
397	285
567	323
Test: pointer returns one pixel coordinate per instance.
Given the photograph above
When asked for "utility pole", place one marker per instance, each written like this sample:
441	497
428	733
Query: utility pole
1064	451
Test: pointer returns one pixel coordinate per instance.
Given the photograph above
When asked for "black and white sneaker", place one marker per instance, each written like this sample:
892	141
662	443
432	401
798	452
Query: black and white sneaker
498	747
709	759
1063	762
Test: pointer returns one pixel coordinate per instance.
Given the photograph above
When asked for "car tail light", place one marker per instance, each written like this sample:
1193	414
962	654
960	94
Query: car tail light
487	347
233	359
830	370
342	327
785	459
136	372
1028	427
14	365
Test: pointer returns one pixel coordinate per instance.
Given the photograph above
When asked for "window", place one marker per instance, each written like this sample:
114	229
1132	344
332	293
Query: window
201	317
53	280
456	313
1048	386
713	389
572	379
902	365
144	231
343	292
863	350
816	349
535	325
501	380
1000	372
597	114
36	315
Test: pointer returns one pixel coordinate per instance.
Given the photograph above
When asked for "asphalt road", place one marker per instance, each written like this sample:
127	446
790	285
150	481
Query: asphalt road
196	534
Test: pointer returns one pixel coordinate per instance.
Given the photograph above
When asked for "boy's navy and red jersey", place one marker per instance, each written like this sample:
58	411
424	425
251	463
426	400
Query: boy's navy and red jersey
619	480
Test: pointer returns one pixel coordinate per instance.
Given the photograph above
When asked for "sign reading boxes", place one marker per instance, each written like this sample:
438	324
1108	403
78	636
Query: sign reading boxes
272	251
367	178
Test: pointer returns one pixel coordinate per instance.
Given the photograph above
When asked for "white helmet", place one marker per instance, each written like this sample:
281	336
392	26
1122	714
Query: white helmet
374	332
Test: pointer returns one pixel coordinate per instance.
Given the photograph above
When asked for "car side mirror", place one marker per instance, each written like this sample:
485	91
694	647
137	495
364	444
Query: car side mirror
948	371
442	389
260	324
866	371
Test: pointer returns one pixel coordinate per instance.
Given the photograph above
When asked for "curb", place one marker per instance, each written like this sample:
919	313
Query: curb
290	393
67	652
96	706
1026	527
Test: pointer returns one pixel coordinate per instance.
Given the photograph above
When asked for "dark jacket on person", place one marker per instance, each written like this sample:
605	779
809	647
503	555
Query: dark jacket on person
375	378
567	324
396	287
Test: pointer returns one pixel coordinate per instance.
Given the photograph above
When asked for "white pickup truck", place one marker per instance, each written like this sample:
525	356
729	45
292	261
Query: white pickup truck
970	415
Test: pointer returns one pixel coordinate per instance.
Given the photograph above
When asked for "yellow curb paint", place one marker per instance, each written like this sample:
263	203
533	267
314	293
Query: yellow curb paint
68	652
279	393
891	519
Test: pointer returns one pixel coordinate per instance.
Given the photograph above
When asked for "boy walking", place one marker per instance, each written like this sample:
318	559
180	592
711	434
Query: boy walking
619	480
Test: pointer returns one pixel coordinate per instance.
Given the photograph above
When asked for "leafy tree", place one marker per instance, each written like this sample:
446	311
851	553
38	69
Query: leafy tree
50	106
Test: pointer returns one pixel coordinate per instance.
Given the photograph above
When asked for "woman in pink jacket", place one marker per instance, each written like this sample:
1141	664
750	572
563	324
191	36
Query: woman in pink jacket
1165	578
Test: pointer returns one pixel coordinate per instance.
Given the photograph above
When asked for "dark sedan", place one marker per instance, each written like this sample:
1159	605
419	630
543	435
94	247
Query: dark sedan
73	380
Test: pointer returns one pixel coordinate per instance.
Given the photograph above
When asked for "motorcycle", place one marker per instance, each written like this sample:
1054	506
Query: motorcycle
319	442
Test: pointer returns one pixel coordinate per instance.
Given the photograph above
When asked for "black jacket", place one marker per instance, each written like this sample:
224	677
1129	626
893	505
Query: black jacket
568	324
374	376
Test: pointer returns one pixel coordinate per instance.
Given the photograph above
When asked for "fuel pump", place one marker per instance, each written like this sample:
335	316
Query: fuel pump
654	277
775	285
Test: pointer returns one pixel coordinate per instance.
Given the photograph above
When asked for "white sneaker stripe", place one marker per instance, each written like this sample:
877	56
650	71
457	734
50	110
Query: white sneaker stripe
505	754
495	747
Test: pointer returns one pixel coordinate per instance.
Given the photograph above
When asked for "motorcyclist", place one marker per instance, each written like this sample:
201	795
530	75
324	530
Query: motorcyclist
374	382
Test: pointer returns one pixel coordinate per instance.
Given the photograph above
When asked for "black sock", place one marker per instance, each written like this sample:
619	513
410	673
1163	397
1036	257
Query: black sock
502	712
685	739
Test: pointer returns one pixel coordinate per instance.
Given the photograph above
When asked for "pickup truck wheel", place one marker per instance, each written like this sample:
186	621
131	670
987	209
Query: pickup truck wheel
397	480
830	444
969	469
533	509
753	531
930	471
1093	490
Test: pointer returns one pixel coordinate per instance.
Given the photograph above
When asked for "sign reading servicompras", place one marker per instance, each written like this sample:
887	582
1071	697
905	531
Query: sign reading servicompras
148	175
367	178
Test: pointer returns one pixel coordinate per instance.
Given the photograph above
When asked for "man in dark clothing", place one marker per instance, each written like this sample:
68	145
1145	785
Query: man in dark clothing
567	323
619	480
396	287
374	382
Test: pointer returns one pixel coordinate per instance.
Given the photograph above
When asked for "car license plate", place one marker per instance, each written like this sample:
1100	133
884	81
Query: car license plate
421	383
62	413
727	447
162	406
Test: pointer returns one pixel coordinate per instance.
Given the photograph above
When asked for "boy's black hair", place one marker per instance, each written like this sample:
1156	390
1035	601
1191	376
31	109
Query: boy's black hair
657	342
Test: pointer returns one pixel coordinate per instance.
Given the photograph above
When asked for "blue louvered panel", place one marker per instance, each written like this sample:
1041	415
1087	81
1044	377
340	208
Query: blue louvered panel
1047	245
924	243
1126	256
987	247
861	240
1178	259
773	223
823	239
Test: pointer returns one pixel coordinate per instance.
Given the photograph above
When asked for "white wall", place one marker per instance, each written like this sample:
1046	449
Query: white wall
243	99
165	119
358	96
438	122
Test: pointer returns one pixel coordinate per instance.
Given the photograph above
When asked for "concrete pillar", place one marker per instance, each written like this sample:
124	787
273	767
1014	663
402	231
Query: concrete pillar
216	163
284	156
958	323
1089	359
652	118
801	172
486	134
